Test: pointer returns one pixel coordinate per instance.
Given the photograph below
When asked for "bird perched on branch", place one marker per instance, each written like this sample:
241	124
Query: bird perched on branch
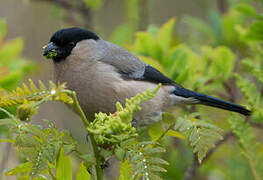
103	73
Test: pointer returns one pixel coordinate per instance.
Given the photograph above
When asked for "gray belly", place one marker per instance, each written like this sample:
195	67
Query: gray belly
99	91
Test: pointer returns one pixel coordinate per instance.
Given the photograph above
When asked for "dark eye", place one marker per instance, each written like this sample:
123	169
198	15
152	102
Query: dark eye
71	44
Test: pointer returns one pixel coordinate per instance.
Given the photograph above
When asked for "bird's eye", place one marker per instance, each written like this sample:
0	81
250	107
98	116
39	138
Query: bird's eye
72	44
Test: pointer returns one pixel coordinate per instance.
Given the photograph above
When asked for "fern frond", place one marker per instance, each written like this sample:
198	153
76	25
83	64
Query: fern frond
201	135
255	69
250	91
249	145
33	93
115	128
38	146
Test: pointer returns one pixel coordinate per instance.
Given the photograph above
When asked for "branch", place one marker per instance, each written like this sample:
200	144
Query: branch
191	171
76	7
222	6
256	125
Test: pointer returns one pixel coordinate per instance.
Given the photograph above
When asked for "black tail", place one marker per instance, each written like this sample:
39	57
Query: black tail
211	101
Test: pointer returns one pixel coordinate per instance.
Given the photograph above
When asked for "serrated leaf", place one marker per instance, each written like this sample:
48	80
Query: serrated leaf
155	168
154	177
154	150
82	173
156	160
63	167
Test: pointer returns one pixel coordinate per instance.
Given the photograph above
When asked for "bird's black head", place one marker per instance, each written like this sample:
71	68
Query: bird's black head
64	40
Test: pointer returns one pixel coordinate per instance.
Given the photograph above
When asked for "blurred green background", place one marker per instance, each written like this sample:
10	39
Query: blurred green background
201	31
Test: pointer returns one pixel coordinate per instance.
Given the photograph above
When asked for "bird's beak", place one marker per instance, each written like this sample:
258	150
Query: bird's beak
50	50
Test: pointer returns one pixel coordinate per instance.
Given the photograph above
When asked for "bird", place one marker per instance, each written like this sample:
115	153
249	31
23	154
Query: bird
102	73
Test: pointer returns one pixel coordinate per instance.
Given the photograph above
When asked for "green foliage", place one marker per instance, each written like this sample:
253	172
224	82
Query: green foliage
115	128
44	149
82	173
221	56
38	146
249	145
63	167
94	4
125	170
12	66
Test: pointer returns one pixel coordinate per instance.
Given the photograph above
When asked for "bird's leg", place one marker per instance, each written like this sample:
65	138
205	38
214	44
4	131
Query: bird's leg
105	165
87	137
134	122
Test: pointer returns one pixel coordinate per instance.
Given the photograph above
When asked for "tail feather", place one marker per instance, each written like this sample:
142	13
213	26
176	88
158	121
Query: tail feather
211	101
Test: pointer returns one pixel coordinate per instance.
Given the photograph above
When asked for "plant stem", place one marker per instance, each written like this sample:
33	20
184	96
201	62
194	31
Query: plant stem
51	174
79	110
98	171
8	113
169	128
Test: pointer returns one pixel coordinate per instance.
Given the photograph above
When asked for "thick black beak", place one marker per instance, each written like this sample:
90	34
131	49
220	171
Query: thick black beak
50	50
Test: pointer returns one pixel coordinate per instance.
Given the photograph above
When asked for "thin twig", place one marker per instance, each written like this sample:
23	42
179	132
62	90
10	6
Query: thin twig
256	125
163	134
51	174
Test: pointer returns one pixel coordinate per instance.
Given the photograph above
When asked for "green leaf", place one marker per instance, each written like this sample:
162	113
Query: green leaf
222	63
168	118
10	50
120	153
122	34
248	10
156	160
156	130
180	68
199	26
94	4
22	168
164	37
3	29
175	134
145	44
250	91
255	31
7	122
7	141
251	149
82	173
125	170
63	167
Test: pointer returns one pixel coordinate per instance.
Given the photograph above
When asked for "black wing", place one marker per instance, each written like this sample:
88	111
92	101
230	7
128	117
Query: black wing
150	74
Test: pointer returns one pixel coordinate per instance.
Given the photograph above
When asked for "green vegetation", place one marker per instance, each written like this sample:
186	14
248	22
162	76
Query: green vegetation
222	57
